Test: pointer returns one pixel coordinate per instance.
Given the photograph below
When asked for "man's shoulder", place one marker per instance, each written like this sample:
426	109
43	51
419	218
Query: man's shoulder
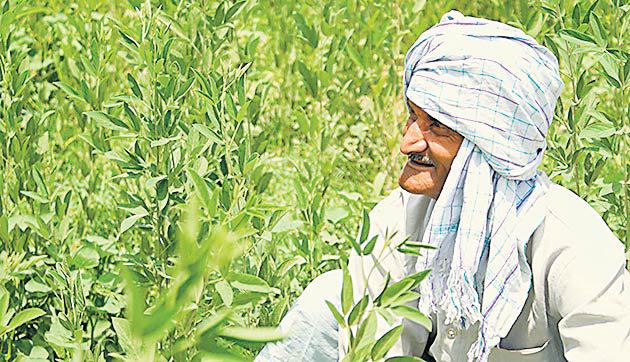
566	205
573	236
574	223
574	254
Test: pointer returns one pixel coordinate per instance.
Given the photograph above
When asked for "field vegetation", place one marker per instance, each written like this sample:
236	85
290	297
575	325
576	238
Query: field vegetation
173	174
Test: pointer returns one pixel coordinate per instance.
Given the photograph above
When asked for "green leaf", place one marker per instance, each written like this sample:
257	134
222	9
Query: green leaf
287	265
549	11
346	291
106	121
201	187
184	88
207	132
129	222
611	66
338	317
33	286
419	245
598	30
377	300
307	32
598	130
577	35
158	322
355	56
552	45
87	65
404	359
419	276
575	15
234	9
135	88
128	39
414	315
310	78
23	317
131	114
357	311
263	182
355	245
369	246
86	258
39	198
600	116
4	228
242	112
70	92
261	334
225	291
404	298
153	181
4	303
391	293
121	326
210	324
37	354
366	332
249	282
365	227
410	250
588	12
163	141
386	342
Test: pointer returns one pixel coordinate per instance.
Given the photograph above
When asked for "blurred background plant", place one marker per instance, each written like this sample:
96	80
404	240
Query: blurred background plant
272	124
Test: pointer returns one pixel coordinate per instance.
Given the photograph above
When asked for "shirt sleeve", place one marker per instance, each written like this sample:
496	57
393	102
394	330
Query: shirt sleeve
590	292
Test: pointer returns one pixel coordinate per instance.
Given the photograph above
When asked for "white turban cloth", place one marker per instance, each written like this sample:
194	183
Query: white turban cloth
497	87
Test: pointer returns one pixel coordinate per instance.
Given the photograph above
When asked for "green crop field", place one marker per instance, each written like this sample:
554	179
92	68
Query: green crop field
174	173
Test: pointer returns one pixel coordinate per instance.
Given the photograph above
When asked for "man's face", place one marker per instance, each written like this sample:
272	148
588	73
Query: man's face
431	148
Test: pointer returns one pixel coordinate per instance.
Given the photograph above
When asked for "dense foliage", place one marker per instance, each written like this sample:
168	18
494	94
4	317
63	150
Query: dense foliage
174	173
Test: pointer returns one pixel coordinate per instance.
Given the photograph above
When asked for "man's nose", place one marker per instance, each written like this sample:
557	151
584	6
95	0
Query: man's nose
413	141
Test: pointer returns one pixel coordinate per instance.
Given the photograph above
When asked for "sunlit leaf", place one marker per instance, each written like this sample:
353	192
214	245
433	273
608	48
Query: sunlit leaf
260	334
386	342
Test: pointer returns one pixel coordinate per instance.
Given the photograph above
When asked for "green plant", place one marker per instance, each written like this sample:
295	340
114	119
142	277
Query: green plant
276	123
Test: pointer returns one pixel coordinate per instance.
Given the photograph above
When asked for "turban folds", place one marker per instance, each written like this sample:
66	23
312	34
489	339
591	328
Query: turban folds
497	87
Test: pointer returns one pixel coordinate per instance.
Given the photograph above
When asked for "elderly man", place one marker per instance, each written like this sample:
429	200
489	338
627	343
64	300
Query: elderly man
523	269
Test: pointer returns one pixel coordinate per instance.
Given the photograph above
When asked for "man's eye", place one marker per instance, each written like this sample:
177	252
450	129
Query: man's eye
437	124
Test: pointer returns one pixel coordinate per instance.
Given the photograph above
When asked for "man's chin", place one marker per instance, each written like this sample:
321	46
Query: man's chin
413	189
416	186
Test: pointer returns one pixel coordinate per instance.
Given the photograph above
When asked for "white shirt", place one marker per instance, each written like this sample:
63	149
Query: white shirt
578	308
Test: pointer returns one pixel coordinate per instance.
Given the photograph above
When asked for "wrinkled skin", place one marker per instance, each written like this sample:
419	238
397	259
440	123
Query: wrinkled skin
423	134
